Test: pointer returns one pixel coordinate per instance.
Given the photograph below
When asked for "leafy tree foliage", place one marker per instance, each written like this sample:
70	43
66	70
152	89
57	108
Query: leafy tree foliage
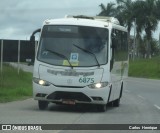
145	14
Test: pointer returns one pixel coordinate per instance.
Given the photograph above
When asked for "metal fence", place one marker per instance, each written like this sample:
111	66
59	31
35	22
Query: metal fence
16	51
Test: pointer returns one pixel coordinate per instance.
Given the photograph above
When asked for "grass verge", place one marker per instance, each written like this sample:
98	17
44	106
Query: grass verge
145	68
14	86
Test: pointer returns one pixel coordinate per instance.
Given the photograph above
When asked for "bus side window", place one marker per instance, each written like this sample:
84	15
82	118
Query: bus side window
113	47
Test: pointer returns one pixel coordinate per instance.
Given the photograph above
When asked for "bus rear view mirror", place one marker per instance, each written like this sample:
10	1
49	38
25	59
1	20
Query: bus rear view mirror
32	38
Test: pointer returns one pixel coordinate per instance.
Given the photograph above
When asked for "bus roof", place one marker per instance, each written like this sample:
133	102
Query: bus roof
96	21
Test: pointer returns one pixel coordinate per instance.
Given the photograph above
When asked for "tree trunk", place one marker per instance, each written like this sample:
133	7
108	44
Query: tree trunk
148	49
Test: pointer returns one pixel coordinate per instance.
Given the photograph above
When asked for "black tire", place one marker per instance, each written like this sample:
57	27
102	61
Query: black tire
110	104
116	103
101	108
42	105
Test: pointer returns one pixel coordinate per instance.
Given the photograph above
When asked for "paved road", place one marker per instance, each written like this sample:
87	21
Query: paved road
140	105
24	67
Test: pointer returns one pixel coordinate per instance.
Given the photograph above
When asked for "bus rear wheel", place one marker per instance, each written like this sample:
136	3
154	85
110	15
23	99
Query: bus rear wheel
42	105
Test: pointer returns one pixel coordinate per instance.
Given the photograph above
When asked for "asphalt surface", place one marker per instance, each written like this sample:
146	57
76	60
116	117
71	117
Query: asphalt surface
140	104
24	67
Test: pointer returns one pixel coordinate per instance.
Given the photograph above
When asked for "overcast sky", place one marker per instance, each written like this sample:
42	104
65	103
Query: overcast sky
19	18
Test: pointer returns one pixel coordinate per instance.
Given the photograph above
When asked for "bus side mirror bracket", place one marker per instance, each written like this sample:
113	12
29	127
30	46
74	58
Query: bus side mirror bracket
32	38
32	42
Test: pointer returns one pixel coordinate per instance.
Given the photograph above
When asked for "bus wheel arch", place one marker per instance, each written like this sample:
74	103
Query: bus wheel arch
121	91
110	91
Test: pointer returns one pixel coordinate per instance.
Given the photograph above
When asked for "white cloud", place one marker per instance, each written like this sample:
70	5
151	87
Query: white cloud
20	17
10	31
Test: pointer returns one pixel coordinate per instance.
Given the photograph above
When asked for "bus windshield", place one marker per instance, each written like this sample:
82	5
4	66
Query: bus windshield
63	38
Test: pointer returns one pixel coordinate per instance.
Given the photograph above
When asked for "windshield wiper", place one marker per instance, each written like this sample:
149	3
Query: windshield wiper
60	55
87	51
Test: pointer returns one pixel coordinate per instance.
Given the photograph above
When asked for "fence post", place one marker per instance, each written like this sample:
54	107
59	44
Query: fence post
1	56
19	46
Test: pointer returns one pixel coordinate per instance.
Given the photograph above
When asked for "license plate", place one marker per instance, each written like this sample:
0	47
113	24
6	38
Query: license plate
71	102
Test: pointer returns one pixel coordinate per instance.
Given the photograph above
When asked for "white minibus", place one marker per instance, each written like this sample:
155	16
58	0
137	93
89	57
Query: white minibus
80	60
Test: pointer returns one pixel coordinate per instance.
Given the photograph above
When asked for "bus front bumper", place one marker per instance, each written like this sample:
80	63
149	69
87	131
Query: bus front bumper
84	95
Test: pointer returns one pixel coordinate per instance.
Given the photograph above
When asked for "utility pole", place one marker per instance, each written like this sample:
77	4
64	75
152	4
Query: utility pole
134	47
19	47
1	56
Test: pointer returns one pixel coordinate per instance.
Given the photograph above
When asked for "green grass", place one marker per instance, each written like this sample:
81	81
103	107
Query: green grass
145	68
14	86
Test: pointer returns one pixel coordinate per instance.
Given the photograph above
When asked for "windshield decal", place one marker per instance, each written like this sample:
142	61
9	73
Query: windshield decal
66	63
74	57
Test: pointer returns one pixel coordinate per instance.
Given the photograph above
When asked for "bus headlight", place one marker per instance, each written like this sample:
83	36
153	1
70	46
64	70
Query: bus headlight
41	82
98	85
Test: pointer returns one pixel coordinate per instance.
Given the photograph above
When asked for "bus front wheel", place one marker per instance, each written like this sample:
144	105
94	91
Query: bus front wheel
101	108
42	105
116	103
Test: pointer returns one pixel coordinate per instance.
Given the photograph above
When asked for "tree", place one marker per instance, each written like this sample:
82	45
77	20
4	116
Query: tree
142	46
155	49
150	22
125	11
145	13
109	10
139	25
158	9
125	14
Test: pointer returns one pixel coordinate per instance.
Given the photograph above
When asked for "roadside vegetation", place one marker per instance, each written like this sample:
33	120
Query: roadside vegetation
145	68
141	15
14	86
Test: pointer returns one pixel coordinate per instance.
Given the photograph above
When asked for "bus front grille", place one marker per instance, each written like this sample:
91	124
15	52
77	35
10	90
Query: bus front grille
59	95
